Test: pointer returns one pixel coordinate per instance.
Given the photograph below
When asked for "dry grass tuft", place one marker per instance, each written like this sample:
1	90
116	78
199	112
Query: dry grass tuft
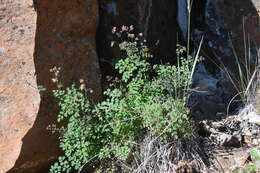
156	156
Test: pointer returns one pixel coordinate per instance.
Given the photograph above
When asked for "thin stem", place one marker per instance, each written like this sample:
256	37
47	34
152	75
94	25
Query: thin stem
188	37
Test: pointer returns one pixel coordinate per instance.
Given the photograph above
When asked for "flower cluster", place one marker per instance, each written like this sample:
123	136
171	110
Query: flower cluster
56	71
127	33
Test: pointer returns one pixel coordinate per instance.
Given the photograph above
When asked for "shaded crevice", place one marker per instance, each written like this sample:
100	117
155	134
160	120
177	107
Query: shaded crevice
156	20
65	38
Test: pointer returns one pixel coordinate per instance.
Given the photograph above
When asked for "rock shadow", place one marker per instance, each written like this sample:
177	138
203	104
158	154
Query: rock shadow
65	37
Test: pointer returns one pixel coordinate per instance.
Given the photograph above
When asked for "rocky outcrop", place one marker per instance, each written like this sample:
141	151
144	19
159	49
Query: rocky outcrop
231	32
62	36
65	38
231	140
240	17
213	91
230	27
19	97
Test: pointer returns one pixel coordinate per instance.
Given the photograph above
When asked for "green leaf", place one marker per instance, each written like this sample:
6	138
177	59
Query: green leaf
255	153
251	168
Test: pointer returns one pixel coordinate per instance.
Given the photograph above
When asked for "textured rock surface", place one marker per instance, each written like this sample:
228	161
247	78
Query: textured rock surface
240	17
63	35
213	91
226	22
230	29
19	97
65	38
231	141
227	159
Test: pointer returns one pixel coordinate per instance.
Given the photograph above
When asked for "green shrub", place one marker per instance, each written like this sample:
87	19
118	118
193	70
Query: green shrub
145	98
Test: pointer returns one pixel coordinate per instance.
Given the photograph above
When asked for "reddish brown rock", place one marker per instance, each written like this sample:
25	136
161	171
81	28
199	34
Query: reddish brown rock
19	97
63	35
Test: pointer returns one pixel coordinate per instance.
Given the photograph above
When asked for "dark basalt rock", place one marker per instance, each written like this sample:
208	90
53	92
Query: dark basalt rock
210	95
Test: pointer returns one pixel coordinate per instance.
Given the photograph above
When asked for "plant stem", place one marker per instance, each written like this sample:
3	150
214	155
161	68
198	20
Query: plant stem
189	6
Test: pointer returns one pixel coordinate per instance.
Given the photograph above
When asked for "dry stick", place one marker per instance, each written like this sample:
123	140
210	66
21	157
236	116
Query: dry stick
233	98
196	58
220	165
86	163
245	45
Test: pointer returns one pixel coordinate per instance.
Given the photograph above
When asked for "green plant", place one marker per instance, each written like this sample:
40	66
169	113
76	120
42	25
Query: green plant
145	98
255	156
247	67
251	168
255	165
246	82
41	88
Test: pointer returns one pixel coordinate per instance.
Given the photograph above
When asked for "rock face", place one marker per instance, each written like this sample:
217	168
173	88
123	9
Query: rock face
210	90
63	35
19	97
65	38
228	26
231	29
240	17
232	139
